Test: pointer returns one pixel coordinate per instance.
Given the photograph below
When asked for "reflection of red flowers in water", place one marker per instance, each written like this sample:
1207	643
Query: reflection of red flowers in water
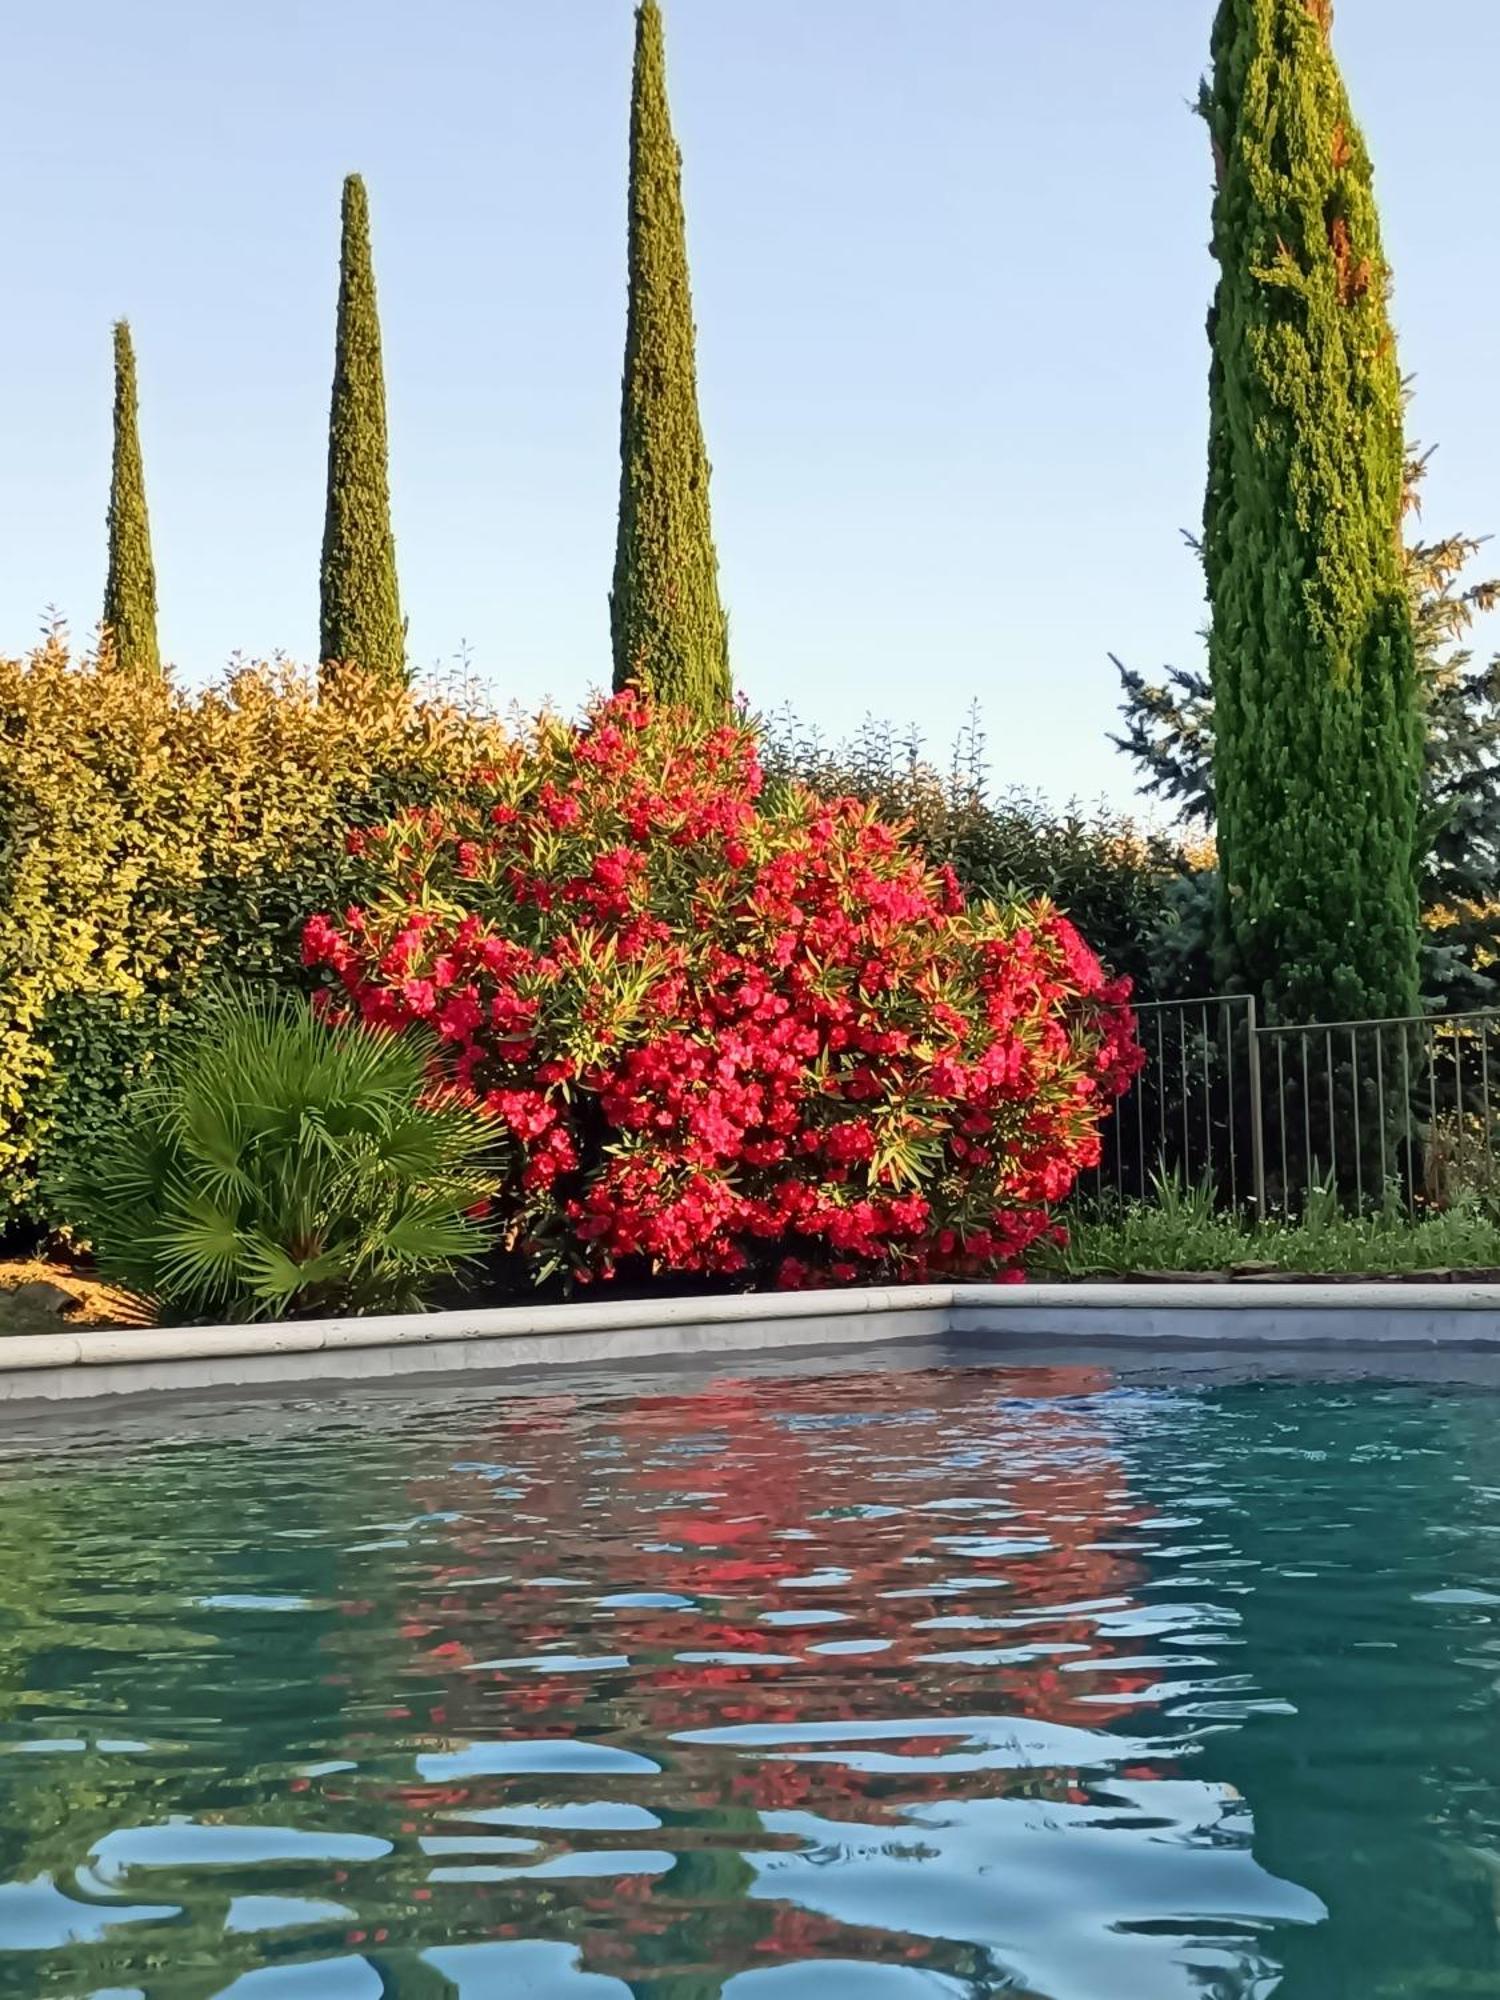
986	1502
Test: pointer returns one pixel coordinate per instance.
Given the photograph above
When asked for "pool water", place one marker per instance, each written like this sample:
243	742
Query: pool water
893	1682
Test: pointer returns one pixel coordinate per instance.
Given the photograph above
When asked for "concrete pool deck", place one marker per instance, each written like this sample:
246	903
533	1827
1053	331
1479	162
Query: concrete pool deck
66	1367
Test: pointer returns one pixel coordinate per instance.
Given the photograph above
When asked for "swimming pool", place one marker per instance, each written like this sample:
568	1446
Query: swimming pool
881	1679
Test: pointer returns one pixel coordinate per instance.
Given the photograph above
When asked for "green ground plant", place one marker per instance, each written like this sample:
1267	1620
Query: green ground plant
275	1166
1182	1229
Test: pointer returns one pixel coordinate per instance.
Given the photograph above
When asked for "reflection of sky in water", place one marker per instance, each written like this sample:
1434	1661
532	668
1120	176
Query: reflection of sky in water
1072	1898
898	1686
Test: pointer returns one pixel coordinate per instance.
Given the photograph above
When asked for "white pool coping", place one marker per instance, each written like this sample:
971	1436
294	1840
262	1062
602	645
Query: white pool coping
69	1366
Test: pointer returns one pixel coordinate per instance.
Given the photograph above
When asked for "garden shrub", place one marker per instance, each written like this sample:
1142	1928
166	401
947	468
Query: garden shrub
155	838
1120	883
735	1030
274	1166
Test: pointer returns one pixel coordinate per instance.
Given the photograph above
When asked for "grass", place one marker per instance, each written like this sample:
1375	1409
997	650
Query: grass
1181	1230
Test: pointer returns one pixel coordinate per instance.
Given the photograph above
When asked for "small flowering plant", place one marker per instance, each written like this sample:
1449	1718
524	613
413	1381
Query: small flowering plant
732	1031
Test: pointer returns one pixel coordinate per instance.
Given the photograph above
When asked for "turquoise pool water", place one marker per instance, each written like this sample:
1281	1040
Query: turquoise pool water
891	1683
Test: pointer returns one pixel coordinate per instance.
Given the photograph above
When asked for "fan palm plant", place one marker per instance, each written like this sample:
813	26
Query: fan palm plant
277	1166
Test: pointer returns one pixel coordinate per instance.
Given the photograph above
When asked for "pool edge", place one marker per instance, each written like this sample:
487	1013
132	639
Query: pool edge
92	1366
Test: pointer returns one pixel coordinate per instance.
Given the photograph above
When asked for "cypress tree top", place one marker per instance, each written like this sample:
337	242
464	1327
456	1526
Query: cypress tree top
130	581
1318	738
666	621
361	608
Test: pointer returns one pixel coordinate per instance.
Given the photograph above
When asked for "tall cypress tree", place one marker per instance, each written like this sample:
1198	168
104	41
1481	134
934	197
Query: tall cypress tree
1169	735
361	606
667	623
1317	729
130	582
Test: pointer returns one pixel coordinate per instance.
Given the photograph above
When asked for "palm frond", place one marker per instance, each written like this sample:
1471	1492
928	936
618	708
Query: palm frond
280	1164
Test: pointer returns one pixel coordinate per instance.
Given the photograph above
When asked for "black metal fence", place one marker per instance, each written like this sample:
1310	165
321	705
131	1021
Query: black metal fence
1404	1110
1191	1112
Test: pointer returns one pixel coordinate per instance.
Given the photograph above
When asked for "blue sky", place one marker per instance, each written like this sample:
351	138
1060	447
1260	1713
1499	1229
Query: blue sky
950	273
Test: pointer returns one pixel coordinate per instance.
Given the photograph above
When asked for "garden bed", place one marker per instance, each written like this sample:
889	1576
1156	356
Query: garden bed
38	1295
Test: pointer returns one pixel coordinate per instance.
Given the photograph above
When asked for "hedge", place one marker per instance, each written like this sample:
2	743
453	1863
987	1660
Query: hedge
154	838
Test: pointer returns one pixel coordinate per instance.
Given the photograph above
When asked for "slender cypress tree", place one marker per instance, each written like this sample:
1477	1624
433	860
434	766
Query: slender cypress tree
1317	725
1169	735
667	623
130	582
361	606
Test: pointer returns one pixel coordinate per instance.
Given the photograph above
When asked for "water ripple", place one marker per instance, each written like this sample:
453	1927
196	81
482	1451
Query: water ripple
875	1685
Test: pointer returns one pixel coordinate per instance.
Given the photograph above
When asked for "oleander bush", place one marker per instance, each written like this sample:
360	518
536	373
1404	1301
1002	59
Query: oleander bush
156	839
1128	888
734	1030
274	1165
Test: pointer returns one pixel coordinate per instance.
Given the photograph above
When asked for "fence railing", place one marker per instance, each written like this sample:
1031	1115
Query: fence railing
1405	1109
1191	1112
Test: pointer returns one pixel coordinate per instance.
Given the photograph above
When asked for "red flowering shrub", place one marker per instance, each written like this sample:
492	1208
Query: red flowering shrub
730	1033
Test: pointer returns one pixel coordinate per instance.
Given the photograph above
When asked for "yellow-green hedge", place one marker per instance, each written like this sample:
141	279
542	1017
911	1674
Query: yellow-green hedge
153	838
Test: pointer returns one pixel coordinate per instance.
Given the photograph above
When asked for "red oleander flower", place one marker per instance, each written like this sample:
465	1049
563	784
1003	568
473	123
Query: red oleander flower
756	1039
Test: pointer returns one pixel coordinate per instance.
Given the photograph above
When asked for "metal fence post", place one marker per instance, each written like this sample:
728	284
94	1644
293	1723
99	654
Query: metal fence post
1257	1111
